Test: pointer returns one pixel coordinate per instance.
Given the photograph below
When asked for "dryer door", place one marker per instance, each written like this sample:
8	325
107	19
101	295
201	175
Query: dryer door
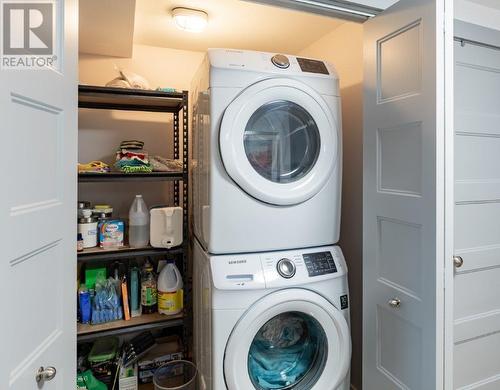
292	338
279	141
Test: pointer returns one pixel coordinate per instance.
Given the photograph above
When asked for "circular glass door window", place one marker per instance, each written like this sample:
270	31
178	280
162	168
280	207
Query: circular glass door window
288	352
282	141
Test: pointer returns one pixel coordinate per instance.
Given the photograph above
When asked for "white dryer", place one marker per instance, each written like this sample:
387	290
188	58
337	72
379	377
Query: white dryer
267	152
277	320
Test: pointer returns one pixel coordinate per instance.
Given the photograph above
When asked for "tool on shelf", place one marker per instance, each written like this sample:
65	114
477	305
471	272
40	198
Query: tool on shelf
137	347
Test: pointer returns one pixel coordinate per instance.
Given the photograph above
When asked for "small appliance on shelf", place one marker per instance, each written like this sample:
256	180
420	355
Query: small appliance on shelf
166	227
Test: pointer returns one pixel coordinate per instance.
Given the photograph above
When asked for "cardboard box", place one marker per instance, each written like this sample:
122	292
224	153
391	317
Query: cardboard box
128	378
167	349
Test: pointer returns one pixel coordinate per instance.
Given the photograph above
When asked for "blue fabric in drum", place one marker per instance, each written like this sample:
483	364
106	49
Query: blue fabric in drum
287	352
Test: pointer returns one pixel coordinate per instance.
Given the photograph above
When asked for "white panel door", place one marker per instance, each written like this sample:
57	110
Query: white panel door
404	196
38	122
477	210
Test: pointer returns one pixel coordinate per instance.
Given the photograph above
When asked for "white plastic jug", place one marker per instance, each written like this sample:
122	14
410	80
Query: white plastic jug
170	293
138	223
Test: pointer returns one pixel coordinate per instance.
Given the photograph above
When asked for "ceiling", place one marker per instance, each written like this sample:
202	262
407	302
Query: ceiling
107	28
488	3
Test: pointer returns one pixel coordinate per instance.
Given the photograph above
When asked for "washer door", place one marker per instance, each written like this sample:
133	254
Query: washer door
279	141
290	339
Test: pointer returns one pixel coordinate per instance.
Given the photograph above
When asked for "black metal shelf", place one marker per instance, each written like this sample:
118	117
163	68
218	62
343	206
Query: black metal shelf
95	254
135	324
176	103
110	98
92	177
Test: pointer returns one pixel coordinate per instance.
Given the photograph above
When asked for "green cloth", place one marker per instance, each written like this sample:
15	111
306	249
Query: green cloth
136	168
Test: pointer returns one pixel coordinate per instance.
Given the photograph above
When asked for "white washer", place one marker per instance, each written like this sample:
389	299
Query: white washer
277	320
267	152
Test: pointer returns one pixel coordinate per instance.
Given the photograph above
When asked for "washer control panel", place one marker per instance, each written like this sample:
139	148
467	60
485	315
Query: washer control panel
299	267
319	263
278	269
286	268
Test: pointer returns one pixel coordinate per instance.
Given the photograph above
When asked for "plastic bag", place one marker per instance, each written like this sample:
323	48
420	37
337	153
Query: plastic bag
128	79
106	305
135	80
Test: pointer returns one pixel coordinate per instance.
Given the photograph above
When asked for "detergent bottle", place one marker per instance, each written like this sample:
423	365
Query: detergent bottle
170	293
149	289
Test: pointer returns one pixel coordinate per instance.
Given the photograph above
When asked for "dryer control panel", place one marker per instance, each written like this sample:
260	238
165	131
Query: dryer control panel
269	62
312	66
277	269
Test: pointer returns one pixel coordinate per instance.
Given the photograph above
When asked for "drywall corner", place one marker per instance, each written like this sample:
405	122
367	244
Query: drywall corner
343	47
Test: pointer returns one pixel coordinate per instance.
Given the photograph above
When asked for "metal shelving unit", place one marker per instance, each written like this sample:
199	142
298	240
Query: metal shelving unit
136	324
108	98
120	176
96	254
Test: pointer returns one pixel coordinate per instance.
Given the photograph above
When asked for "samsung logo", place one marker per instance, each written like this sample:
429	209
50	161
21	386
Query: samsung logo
237	261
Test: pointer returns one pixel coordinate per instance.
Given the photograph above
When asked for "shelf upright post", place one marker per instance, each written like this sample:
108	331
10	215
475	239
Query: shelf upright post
176	155
185	208
185	163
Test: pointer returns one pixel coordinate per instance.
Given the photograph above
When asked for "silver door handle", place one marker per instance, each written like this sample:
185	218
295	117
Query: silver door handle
45	374
458	261
395	303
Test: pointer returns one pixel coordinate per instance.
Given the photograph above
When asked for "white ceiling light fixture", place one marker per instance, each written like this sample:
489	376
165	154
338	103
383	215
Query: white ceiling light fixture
191	20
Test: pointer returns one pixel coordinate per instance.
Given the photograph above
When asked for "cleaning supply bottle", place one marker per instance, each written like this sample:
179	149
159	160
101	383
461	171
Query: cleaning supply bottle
170	293
85	305
149	290
135	299
138	223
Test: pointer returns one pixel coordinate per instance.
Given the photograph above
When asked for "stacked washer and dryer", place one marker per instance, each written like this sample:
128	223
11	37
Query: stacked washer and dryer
270	288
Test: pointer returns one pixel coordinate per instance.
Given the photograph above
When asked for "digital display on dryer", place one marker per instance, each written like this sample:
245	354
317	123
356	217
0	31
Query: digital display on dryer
319	263
312	66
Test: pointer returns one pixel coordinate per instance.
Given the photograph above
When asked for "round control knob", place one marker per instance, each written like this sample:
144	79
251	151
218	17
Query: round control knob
286	268
280	61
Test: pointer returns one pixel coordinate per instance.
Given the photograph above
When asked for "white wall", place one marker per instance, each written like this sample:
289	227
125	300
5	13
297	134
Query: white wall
101	131
344	48
478	14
